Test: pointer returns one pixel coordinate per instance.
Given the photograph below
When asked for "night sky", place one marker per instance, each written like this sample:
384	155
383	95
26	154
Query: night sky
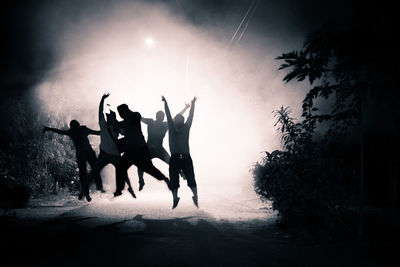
26	55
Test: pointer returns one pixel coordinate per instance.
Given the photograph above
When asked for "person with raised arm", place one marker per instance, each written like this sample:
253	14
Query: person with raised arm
156	130
109	152
84	153
180	153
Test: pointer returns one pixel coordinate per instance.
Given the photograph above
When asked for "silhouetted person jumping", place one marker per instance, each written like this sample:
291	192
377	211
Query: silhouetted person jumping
135	149
109	152
84	153
156	130
180	154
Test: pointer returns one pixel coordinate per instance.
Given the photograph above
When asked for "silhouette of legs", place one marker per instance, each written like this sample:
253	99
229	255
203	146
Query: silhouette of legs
81	160
182	163
195	197
141	158
91	158
103	160
163	155
155	152
175	198
141	180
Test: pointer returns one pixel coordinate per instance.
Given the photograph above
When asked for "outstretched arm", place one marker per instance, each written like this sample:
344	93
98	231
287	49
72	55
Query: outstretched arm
101	107
187	105
168	113
191	112
54	130
146	120
90	131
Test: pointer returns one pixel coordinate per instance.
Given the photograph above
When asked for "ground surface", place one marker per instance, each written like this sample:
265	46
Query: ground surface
62	231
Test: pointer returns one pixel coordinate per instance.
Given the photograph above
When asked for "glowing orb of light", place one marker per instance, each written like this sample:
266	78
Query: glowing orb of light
149	41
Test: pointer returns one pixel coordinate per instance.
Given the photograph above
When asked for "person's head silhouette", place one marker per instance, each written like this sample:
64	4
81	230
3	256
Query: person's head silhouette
179	121
160	116
123	110
74	124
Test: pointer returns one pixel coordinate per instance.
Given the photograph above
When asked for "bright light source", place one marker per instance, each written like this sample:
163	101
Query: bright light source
149	42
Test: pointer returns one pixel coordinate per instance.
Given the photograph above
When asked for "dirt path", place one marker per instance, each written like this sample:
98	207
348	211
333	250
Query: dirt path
105	233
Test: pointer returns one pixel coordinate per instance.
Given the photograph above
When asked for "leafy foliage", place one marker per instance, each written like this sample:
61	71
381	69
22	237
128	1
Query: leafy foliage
29	159
346	64
316	176
309	179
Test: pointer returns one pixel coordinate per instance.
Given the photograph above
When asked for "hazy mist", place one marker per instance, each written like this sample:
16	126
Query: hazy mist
104	49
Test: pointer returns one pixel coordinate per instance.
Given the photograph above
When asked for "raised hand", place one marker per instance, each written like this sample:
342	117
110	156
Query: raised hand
105	96
163	99
194	100
187	105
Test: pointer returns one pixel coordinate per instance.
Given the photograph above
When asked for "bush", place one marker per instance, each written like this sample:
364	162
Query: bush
310	179
31	161
353	92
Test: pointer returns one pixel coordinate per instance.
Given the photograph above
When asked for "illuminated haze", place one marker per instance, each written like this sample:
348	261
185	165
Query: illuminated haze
138	52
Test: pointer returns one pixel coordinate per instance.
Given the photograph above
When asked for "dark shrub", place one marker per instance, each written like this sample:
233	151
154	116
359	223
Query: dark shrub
310	179
31	161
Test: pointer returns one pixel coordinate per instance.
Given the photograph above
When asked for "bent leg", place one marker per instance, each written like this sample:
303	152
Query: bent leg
101	162
143	161
174	168
164	156
149	168
82	174
188	170
96	175
140	175
152	154
122	171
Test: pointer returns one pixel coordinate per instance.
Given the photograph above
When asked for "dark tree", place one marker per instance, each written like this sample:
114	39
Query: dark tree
353	67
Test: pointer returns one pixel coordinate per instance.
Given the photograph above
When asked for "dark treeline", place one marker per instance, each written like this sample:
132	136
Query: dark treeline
340	167
32	163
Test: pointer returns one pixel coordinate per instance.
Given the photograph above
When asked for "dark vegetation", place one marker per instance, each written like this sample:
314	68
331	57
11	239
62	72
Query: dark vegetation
31	163
309	180
339	164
